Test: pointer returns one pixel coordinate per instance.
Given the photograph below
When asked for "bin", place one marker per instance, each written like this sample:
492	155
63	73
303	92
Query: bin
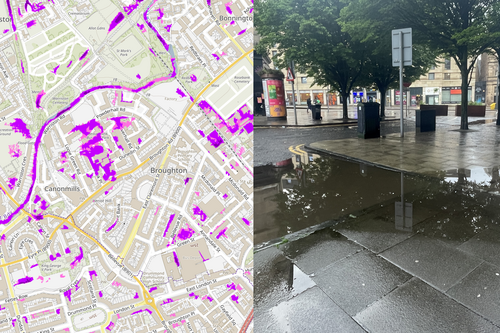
426	120
368	120
316	111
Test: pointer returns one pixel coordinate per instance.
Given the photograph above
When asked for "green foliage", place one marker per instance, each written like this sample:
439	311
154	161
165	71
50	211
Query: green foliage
361	19
307	32
283	241
270	71
460	29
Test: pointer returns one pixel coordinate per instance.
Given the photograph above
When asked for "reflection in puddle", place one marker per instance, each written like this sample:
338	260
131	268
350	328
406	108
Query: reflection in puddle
318	189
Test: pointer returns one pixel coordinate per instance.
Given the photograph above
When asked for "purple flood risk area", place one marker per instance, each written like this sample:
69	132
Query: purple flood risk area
168	224
176	260
20	127
215	139
118	18
72	105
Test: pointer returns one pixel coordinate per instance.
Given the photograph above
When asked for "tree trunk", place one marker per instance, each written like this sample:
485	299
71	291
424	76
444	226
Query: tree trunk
382	102
464	124
345	114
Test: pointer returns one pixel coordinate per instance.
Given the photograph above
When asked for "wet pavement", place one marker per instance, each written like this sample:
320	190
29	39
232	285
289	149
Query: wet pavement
329	117
333	116
426	152
311	193
336	252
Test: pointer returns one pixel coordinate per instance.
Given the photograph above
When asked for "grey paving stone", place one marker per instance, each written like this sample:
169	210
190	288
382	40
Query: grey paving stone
485	245
359	280
480	291
312	311
435	262
319	249
277	279
452	226
434	150
375	233
416	307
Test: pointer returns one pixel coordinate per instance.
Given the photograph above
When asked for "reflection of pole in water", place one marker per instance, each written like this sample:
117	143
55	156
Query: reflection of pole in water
403	211
495	177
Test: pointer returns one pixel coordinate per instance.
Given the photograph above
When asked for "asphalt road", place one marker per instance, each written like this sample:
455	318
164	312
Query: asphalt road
271	144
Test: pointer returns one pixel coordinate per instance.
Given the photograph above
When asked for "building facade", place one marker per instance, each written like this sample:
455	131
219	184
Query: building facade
488	79
441	85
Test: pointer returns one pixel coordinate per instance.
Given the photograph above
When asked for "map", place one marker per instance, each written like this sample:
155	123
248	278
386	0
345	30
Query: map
126	160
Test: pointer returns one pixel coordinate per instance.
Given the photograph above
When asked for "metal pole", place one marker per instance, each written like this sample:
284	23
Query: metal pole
401	60
328	99
403	198
293	97
407	102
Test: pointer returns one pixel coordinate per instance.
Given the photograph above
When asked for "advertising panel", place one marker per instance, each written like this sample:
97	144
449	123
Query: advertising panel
274	95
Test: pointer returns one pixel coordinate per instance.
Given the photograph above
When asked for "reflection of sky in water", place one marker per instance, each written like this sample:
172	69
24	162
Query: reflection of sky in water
476	175
316	189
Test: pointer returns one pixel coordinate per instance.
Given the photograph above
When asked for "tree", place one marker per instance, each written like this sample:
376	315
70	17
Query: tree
307	32
361	19
456	28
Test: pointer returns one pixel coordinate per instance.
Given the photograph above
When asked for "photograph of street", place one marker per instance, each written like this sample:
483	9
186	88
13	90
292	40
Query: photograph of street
376	166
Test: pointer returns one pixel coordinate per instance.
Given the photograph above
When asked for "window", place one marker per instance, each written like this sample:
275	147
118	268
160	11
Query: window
303	80
447	63
304	96
447	76
433	67
431	76
453	95
274	53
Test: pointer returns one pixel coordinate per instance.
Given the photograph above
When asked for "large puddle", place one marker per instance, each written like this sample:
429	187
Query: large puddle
316	189
342	244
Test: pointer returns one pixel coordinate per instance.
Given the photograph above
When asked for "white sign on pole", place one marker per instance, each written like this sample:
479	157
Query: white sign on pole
396	47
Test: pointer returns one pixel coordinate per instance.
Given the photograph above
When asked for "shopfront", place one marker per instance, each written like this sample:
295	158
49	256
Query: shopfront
431	95
318	95
304	96
332	99
415	96
371	95
453	95
289	100
357	96
397	97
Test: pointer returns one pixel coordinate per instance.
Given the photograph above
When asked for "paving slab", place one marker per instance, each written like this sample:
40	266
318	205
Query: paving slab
434	151
416	307
312	311
359	280
433	261
374	232
456	225
278	279
330	117
480	291
485	245
319	250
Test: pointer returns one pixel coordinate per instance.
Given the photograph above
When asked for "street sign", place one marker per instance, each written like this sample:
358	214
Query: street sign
289	75
403	218
401	56
396	47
